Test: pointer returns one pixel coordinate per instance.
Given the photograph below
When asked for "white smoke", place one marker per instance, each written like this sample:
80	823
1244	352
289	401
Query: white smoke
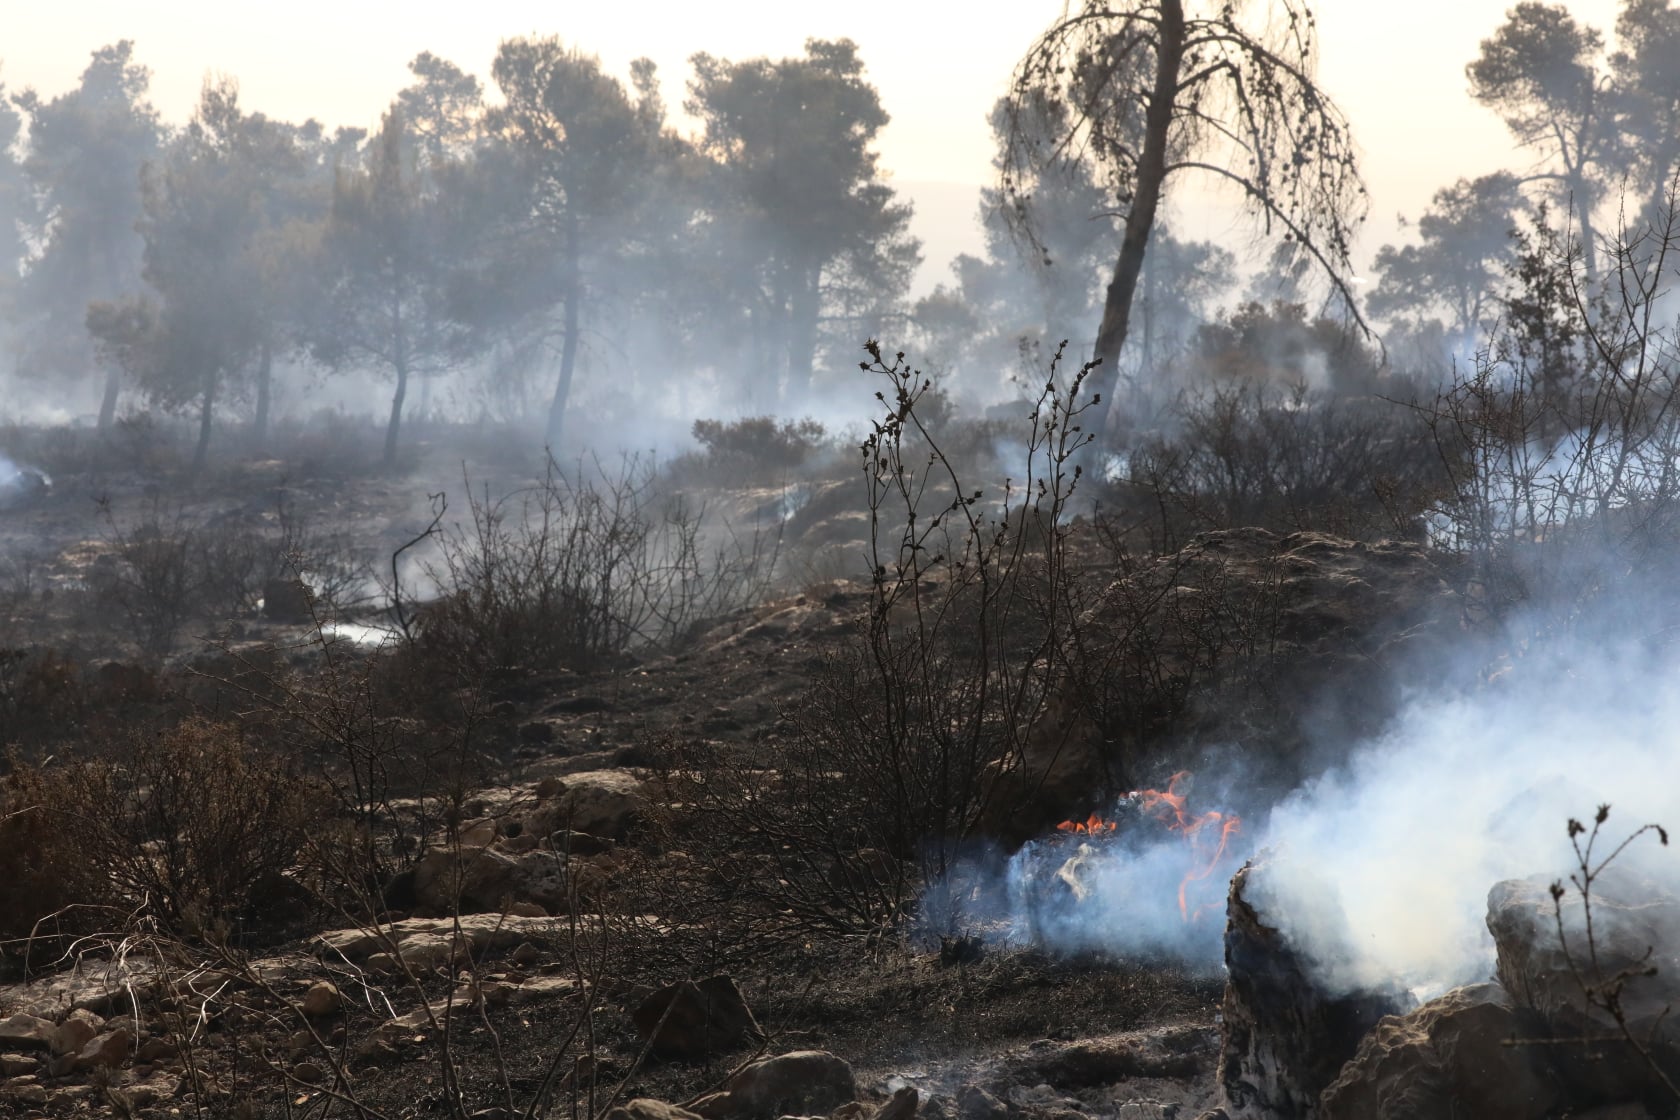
1384	865
1380	867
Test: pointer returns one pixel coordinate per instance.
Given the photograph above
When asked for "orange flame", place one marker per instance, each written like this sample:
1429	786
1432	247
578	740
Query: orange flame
1091	826
1209	834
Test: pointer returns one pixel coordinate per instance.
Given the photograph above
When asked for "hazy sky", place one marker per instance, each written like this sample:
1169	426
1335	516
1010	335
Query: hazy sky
1396	69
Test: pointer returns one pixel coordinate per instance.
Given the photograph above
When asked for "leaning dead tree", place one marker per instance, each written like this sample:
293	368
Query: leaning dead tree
1147	91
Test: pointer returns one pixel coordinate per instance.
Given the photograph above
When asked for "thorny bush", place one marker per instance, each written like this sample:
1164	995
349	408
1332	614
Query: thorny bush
574	571
879	782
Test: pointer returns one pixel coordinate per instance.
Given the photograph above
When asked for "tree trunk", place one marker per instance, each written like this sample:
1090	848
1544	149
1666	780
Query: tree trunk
206	412
108	406
1583	210
569	348
803	310
1140	220
265	373
399	350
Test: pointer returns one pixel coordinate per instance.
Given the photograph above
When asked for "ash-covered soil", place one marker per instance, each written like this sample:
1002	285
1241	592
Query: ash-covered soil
576	826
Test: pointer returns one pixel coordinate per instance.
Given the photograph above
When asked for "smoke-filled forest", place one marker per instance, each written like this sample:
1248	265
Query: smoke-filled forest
550	604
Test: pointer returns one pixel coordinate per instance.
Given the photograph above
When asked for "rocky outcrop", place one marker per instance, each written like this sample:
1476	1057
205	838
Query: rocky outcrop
1636	938
1284	1037
1452	1057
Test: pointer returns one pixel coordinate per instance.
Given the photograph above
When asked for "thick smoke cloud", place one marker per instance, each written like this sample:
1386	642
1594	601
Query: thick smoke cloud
1384	865
1380	867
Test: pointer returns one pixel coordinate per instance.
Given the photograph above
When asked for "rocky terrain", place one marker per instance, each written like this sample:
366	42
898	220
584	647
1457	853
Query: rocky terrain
563	929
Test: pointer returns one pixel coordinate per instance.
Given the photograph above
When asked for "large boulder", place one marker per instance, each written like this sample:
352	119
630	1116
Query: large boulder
1285	1037
604	803
1452	1057
694	1021
1636	937
802	1082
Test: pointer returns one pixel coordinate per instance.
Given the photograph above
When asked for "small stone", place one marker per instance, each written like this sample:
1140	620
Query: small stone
156	1050
477	833
322	998
309	1073
525	953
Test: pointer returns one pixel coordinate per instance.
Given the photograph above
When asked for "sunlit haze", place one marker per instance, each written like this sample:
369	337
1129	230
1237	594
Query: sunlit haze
1396	70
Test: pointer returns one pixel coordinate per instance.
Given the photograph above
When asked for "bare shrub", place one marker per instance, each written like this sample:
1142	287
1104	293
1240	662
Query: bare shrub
192	827
880	779
1560	442
1283	459
1607	981
574	571
755	447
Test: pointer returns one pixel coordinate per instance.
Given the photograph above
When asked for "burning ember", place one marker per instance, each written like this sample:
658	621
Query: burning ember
1207	834
1092	826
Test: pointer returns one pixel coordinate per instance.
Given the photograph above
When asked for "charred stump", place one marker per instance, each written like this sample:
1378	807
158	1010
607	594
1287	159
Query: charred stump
1284	1037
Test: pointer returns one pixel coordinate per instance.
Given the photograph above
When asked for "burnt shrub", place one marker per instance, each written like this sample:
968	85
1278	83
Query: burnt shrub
573	571
757	445
1282	459
192	827
885	777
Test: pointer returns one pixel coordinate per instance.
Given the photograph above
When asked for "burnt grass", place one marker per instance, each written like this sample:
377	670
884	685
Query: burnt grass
884	1003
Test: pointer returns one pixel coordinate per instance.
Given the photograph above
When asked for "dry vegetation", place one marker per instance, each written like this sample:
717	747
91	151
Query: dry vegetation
797	775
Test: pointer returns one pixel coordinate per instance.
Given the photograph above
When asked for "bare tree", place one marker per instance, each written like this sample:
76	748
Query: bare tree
1146	90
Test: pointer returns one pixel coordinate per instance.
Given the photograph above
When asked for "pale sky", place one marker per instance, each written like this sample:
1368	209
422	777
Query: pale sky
1397	70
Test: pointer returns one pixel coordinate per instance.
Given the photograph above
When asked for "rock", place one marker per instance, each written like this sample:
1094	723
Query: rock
605	803
322	998
112	1048
431	942
1449	1058
539	988
536	732
287	601
800	1081
158	1087
643	1108
480	832
75	1032
1284	1038
24	1090
16	1065
696	1021
974	1103
483	880
1635	923
156	1050
1173	1052
24	1030
310	1073
902	1106
576	843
